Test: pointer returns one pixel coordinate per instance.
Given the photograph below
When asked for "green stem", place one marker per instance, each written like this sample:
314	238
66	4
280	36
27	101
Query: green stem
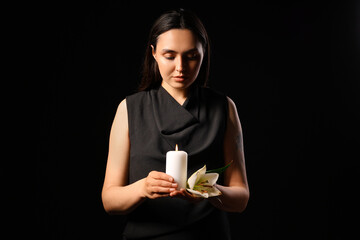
220	170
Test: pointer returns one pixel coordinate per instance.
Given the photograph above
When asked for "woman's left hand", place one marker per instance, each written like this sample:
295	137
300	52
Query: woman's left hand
183	194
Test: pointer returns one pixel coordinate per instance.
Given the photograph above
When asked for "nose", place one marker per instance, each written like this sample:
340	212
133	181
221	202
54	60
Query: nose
180	64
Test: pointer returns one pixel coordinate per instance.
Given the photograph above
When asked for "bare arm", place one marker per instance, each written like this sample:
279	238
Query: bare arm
118	197
235	192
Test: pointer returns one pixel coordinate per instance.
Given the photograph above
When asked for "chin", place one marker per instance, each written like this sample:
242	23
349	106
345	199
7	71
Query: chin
182	85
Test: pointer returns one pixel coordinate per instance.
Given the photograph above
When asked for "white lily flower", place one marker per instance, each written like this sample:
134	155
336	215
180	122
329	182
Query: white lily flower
202	184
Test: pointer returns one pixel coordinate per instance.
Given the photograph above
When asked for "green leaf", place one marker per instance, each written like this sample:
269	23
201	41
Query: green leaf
219	170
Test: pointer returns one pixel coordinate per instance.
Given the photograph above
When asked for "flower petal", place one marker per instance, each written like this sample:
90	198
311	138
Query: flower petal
210	177
210	192
196	177
197	193
215	192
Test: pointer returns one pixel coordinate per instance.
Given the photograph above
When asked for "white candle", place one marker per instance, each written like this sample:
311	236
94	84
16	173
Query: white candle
176	166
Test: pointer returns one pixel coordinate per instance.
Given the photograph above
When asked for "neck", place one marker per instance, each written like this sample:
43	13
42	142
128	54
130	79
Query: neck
179	94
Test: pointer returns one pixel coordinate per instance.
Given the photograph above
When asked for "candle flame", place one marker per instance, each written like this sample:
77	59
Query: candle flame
176	148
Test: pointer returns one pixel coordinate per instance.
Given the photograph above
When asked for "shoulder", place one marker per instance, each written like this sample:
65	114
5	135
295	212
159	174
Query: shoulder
121	113
136	96
214	97
227	103
134	101
231	104
122	108
120	122
139	99
233	116
139	104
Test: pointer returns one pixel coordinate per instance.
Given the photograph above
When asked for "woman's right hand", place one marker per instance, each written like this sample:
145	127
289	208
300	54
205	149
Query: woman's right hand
157	185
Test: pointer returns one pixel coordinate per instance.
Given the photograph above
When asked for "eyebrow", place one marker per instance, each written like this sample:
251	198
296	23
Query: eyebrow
165	50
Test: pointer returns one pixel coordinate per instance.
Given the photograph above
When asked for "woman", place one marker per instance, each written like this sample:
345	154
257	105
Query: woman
174	107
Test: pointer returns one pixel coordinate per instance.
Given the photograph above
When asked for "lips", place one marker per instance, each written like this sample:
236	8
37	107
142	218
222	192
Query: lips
179	78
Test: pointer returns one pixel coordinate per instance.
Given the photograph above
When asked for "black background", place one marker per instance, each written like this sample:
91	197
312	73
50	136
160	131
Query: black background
290	67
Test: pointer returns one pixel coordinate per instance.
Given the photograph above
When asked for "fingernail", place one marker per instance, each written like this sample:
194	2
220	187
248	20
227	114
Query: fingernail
174	185
171	179
172	189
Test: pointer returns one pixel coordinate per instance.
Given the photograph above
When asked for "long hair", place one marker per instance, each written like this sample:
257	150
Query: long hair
178	19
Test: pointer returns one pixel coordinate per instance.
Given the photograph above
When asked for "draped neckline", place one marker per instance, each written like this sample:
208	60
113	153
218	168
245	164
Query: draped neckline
173	119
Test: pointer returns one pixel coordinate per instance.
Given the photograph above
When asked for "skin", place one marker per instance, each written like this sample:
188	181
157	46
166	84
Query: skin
179	56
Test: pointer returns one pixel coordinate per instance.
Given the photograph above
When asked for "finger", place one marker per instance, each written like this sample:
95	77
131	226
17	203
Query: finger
177	193
159	195
157	189
163	183
182	193
161	176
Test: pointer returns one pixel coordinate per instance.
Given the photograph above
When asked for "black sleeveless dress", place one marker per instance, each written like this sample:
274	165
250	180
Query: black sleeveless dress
157	122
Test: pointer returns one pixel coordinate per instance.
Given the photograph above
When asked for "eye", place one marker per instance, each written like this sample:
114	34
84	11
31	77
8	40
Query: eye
193	56
169	56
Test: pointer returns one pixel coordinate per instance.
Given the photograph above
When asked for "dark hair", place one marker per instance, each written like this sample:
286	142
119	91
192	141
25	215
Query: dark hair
180	19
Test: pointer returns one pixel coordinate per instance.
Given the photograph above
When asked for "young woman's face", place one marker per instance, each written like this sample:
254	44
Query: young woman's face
179	55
